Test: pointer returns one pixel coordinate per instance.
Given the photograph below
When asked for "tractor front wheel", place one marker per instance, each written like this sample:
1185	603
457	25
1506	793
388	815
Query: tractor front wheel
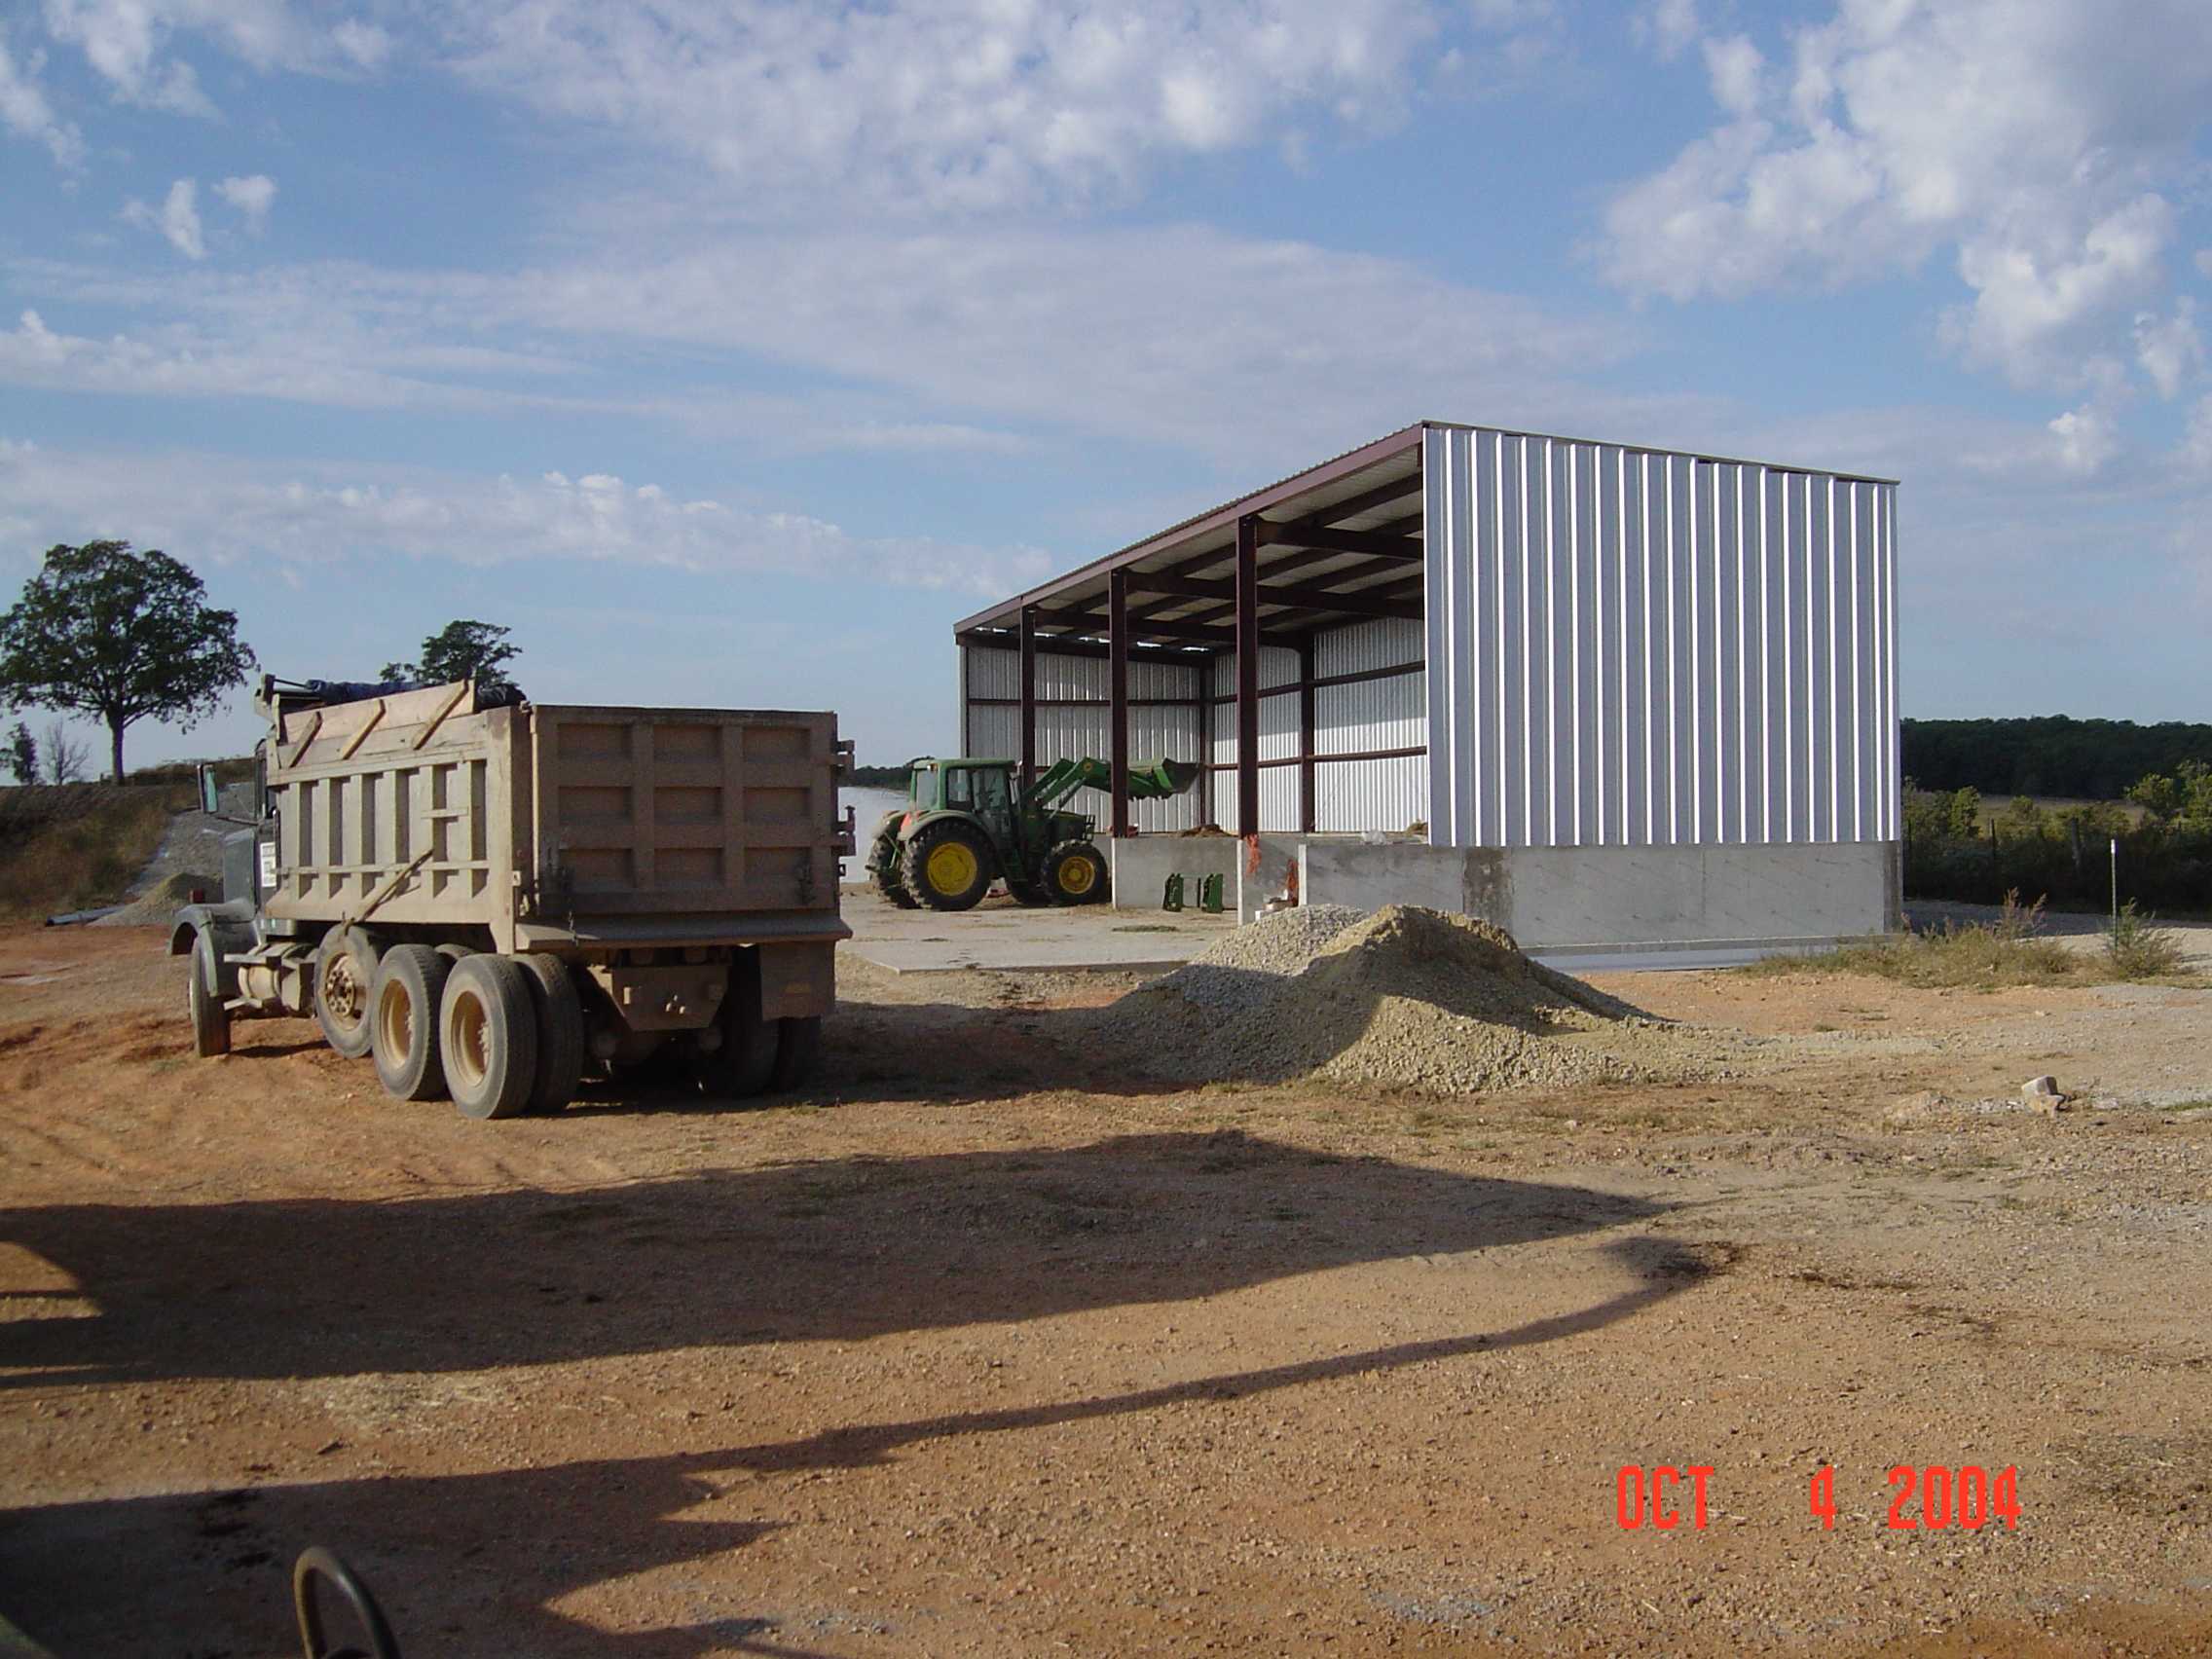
1076	873
947	867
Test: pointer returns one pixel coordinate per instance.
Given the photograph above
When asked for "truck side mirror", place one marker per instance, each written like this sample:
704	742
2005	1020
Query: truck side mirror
211	791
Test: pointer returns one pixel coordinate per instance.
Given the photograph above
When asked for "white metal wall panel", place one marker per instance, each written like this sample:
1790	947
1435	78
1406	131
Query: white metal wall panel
1633	647
1278	741
1351	795
1355	648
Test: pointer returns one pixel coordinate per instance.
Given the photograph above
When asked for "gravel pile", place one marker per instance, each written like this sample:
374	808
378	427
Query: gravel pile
1277	945
159	903
1406	998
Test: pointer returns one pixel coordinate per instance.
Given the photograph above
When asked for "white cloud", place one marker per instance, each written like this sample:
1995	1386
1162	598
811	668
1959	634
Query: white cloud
222	508
26	112
177	218
945	103
129	43
2087	439
2197	446
1669	27
1187	336
1738	73
2034	139
252	196
2170	348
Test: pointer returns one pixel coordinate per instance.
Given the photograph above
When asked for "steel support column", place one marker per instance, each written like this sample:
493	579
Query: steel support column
1028	694
1118	696
1307	656
1248	675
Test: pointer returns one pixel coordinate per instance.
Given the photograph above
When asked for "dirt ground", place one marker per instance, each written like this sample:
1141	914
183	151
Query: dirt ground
979	1349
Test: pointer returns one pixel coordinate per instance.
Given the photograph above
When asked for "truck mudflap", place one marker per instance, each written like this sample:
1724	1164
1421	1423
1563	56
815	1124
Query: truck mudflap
798	981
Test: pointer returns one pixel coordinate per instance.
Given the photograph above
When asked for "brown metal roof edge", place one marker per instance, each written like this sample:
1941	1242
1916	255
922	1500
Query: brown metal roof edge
1259	501
1662	448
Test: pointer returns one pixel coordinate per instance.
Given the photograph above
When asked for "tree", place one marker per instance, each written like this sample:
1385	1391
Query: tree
107	631
22	753
460	651
64	755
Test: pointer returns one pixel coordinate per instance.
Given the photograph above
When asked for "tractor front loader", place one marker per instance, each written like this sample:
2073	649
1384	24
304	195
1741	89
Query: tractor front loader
966	825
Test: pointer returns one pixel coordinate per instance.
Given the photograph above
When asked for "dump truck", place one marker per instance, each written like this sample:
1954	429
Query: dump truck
967	824
487	896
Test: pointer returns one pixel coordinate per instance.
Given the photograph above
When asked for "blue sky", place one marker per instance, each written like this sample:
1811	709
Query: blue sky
729	353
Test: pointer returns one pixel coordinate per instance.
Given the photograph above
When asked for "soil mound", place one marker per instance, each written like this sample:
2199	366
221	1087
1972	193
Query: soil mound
1406	998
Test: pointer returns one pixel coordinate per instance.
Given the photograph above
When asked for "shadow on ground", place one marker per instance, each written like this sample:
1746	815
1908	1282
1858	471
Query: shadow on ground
841	1249
483	1564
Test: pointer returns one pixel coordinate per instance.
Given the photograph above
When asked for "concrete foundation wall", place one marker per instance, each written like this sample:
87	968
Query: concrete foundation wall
1619	897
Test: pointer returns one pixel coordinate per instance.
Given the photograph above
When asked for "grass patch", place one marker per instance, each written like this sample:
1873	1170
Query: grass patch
2138	950
2012	950
79	845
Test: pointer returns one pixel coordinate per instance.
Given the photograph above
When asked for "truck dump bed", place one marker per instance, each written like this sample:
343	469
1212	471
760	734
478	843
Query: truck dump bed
556	823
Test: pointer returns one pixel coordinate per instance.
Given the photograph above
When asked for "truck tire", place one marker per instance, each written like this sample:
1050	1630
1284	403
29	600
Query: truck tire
210	1020
403	1021
344	971
799	1050
883	866
743	1063
1076	873
488	1036
947	866
560	1033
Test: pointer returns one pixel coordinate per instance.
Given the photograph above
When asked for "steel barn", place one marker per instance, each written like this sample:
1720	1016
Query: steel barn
1604	694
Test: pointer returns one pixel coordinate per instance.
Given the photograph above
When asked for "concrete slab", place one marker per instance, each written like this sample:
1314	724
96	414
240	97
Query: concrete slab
1002	937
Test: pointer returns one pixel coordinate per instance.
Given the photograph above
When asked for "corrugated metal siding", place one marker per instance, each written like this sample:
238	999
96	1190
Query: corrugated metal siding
1278	740
1067	731
1371	795
1627	646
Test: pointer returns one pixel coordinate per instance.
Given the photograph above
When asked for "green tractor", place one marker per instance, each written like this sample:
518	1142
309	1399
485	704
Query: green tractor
966	825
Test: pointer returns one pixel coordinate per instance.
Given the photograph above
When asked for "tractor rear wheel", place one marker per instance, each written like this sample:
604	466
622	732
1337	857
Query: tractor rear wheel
1076	873
883	864
947	866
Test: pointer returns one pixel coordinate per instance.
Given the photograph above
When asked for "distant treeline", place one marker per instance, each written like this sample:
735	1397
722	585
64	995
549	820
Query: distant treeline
2048	754
878	777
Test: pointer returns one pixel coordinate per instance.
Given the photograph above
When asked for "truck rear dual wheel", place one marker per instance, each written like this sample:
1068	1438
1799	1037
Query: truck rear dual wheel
405	1004
345	975
488	1036
947	867
560	1033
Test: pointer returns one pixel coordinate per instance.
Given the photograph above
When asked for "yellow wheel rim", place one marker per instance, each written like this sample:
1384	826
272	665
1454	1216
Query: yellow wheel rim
950	868
1078	877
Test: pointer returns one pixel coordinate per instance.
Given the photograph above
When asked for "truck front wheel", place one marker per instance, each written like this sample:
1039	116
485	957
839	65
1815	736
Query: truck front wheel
403	1021
488	1036
210	1020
